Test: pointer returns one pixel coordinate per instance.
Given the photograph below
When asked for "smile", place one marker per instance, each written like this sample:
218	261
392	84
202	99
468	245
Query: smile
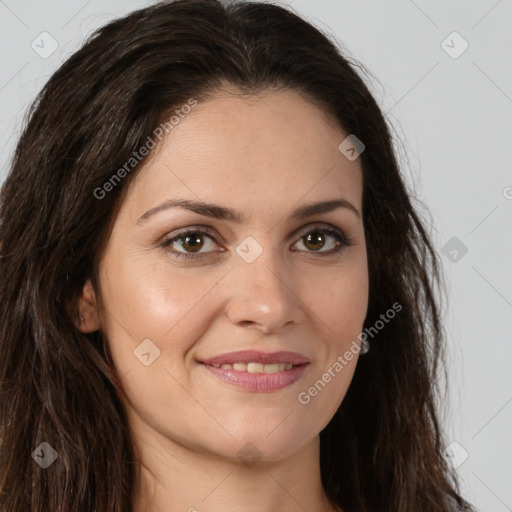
257	377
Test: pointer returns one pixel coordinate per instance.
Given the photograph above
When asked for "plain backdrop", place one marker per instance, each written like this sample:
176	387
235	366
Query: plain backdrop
442	72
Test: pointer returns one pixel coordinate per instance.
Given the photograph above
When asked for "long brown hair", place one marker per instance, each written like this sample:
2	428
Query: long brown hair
383	448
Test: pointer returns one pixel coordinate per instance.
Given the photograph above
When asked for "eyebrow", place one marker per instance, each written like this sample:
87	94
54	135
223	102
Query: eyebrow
222	213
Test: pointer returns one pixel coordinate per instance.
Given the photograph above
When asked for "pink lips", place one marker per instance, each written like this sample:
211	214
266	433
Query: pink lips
257	382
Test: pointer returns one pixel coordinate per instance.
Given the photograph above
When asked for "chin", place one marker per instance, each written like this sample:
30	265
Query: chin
255	445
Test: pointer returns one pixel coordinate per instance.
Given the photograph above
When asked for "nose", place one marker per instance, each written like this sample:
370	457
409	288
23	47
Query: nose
265	295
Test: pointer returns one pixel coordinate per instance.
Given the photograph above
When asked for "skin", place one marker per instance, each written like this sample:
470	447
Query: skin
264	156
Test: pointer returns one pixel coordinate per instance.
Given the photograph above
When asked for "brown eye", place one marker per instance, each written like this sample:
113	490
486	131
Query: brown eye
191	241
315	240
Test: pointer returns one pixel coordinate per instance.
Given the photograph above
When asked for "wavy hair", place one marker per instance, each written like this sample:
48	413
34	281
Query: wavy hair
383	448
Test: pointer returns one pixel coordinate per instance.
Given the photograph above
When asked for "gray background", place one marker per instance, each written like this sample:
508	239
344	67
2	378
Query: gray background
454	117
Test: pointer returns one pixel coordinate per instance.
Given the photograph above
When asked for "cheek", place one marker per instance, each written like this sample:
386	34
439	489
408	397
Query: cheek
144	299
345	306
338	301
338	298
149	309
340	311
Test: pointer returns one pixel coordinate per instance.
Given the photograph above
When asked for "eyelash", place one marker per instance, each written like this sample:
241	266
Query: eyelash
342	239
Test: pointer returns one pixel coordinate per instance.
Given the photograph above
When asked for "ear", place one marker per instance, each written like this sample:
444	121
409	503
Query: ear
88	317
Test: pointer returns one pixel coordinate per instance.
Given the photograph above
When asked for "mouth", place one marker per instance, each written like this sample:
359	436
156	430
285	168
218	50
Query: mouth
257	371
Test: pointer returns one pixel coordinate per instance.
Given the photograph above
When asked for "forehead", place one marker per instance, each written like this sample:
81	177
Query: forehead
274	149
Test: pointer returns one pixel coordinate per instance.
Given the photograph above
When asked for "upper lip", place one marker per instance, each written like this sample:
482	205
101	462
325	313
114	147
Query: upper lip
257	356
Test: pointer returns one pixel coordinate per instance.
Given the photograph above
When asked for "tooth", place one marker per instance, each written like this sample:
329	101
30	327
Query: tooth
271	368
255	368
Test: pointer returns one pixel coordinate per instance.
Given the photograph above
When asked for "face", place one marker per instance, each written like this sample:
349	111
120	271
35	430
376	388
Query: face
185	291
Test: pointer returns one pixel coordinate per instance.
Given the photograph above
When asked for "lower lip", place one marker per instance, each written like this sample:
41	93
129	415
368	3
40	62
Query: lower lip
259	382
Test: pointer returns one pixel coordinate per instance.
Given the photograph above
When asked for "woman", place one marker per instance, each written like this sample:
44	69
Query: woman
216	293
